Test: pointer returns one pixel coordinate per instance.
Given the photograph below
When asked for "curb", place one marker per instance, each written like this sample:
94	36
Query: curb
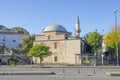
27	73
81	74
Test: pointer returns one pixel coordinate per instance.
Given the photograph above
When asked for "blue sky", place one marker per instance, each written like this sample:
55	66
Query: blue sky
34	15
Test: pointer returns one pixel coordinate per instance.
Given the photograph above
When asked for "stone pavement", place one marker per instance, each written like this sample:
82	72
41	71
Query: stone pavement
62	73
68	71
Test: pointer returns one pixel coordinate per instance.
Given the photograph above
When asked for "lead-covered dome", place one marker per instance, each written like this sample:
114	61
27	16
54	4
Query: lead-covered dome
55	27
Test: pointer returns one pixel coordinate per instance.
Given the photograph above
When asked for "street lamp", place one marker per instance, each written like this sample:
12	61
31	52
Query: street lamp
116	35
102	48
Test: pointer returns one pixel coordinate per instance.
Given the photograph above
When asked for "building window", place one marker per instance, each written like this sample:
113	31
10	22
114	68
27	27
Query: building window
20	45
66	37
1	44
2	38
55	45
14	40
49	37
55	58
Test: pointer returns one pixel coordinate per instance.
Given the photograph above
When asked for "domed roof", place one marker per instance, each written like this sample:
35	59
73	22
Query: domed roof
55	27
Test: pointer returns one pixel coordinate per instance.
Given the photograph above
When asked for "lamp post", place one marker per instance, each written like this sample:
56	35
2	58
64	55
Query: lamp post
101	49
116	35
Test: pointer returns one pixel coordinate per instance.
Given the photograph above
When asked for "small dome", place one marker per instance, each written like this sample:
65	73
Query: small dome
55	27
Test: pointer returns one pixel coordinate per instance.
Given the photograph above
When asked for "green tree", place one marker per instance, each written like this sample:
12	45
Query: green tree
1	49
4	28
40	51
27	43
33	37
110	39
93	41
16	29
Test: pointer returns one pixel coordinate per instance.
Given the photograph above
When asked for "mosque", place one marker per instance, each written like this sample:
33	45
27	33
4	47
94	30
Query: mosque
65	48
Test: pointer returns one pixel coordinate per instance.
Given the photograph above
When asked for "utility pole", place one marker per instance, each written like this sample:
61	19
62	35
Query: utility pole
116	35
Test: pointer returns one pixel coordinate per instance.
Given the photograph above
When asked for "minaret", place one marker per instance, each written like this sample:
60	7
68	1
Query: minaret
77	29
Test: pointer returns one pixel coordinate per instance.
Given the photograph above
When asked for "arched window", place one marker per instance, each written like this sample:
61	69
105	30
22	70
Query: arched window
55	45
49	37
55	58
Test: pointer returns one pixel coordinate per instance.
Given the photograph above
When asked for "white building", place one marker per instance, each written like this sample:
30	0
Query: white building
11	39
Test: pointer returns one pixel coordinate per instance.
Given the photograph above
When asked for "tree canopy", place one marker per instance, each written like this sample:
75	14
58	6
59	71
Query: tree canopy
27	43
40	51
110	39
93	41
1	49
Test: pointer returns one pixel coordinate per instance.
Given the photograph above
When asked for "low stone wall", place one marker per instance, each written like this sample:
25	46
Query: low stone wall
113	74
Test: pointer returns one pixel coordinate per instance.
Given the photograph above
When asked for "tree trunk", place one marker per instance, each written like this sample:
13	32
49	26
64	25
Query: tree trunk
40	61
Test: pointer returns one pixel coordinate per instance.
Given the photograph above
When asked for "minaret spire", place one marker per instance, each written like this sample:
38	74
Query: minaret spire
77	29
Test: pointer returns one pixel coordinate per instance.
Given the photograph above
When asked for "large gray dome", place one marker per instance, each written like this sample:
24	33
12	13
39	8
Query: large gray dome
55	27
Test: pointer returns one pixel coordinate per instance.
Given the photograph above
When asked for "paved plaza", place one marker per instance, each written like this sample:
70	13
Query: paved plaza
62	73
